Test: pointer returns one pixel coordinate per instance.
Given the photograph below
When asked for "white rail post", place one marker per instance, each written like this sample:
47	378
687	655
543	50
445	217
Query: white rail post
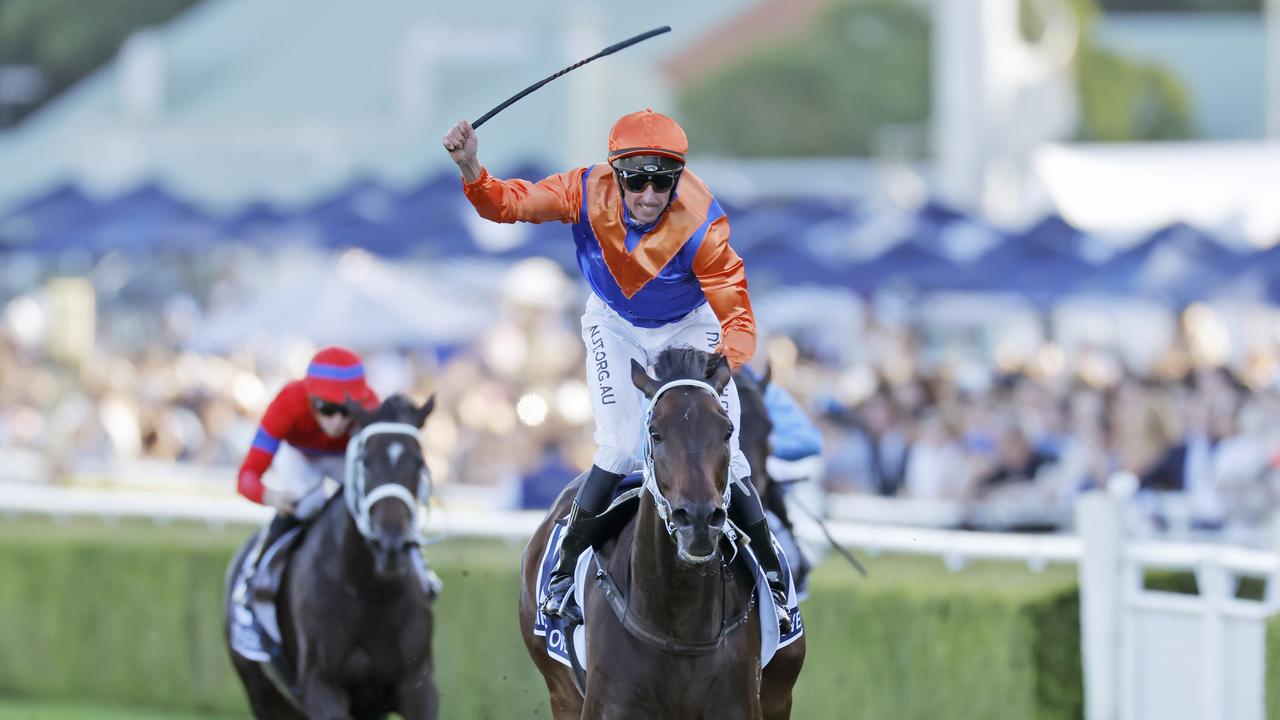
1098	523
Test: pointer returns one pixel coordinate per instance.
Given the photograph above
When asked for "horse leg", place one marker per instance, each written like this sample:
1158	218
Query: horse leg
324	701
419	699
779	678
265	701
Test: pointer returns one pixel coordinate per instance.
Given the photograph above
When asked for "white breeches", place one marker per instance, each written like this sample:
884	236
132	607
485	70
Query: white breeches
612	343
301	477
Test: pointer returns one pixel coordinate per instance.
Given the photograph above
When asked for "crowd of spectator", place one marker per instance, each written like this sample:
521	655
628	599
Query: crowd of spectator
1011	450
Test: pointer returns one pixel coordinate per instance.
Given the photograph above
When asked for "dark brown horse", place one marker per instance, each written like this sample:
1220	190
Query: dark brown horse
691	645
355	618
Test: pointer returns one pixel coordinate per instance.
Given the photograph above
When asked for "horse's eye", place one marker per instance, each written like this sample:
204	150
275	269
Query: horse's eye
729	434
655	436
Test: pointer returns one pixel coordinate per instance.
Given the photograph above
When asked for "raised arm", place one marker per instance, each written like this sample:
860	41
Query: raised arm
724	282
558	197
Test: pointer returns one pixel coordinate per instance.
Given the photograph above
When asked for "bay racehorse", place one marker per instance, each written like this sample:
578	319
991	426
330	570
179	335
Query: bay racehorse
354	616
690	645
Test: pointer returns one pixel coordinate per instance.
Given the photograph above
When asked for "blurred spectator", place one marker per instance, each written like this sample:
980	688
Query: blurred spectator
541	485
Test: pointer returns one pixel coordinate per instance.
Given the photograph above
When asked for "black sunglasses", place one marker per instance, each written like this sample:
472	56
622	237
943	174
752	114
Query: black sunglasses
634	180
327	408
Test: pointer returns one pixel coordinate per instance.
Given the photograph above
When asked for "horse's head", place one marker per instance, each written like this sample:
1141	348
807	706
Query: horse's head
753	435
385	462
687	451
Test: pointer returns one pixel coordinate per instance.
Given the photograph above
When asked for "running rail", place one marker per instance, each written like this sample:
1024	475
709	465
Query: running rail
956	548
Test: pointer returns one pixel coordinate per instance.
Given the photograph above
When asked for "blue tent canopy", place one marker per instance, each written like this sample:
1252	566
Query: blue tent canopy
254	221
905	264
1041	263
1178	264
146	219
44	217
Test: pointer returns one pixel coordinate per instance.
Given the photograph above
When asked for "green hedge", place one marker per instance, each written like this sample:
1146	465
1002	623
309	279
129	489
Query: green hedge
130	616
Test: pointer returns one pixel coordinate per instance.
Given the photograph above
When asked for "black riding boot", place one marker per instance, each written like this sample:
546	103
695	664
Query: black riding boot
747	513
592	499
280	524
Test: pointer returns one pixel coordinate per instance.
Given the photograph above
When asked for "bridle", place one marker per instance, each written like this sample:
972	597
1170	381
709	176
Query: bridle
650	474
359	503
616	596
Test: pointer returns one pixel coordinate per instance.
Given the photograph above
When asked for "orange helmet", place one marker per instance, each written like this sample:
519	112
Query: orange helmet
647	133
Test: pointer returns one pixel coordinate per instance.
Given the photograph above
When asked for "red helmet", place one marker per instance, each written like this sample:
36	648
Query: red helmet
336	374
647	133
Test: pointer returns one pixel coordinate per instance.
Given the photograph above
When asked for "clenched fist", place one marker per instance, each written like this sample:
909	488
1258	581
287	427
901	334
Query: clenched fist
462	143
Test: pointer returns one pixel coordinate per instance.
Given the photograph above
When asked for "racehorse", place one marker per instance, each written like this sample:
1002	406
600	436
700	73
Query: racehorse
355	620
687	642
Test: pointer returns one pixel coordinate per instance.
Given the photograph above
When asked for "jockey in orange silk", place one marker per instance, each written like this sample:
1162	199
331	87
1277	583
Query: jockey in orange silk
653	244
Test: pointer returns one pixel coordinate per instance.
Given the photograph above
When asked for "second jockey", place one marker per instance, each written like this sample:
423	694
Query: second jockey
653	244
303	436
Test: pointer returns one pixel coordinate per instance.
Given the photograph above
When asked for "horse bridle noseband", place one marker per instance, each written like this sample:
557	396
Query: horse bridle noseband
359	504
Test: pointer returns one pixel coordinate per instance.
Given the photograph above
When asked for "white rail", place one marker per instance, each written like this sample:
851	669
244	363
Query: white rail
65	503
956	548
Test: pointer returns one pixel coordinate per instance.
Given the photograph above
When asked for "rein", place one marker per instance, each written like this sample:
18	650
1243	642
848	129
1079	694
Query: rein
359	503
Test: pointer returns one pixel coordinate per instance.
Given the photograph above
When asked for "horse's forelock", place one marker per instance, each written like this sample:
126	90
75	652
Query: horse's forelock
397	408
685	363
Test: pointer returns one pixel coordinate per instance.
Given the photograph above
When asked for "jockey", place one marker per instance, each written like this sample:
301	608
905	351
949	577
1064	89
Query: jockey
653	244
304	434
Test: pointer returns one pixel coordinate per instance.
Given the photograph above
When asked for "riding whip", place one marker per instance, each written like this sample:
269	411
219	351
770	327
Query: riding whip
607	51
835	544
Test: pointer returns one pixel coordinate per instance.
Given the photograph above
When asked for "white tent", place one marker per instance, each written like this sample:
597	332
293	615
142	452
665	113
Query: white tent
1226	187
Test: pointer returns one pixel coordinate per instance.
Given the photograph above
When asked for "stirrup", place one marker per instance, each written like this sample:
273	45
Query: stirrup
560	601
780	606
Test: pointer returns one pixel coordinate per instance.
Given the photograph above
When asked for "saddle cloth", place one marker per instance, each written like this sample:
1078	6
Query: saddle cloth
553	629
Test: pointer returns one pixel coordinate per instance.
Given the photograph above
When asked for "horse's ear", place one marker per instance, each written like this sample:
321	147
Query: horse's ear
720	374
419	416
767	377
358	413
642	381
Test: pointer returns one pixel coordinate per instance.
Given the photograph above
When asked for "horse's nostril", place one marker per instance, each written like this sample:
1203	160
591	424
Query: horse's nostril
717	518
682	518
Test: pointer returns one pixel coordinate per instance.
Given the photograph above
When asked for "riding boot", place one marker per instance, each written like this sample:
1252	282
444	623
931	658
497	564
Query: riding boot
280	524
582	530
747	513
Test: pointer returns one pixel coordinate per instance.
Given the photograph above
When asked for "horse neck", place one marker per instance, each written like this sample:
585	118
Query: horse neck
684	600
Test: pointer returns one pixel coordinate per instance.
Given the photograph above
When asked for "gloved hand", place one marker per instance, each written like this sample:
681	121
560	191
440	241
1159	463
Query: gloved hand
280	500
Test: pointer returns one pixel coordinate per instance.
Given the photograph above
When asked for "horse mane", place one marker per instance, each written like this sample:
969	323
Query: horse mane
685	363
